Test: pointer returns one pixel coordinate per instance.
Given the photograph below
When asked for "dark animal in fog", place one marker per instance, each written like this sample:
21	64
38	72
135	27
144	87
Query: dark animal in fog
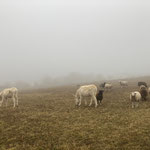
143	92
99	96
142	83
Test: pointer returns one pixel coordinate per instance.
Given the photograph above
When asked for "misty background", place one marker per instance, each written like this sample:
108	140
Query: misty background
46	43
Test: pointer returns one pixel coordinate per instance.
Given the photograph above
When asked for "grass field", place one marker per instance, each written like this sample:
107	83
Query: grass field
48	120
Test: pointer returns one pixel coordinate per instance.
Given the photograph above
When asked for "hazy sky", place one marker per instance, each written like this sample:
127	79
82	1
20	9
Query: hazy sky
56	37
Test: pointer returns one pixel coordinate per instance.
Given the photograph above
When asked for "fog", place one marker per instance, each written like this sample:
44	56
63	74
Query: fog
98	39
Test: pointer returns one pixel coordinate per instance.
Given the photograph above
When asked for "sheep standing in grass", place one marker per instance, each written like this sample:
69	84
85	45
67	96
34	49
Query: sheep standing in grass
123	83
99	96
135	97
144	92
108	86
9	93
86	91
142	83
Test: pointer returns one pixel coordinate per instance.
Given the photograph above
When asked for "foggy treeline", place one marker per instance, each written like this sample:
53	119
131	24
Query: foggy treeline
73	78
48	81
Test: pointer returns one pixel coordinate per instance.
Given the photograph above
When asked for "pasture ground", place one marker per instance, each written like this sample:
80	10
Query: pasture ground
49	120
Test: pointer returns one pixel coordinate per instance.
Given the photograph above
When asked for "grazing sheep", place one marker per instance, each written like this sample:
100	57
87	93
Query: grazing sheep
142	83
99	96
9	93
86	91
108	86
144	92
135	97
123	83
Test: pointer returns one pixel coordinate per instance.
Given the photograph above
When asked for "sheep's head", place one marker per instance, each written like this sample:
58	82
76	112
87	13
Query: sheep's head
133	96
101	92
142	87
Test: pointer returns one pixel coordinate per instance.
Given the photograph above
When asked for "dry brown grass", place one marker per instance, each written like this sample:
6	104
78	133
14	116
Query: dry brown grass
49	120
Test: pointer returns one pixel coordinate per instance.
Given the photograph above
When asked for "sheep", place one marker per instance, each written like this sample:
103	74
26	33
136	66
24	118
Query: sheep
86	91
108	86
143	92
142	87
123	83
99	96
142	83
135	97
9	93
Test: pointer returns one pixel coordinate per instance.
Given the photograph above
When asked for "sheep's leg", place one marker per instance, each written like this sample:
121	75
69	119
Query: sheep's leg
1	101
137	104
80	101
100	103
14	101
76	101
6	102
91	101
132	105
85	102
95	100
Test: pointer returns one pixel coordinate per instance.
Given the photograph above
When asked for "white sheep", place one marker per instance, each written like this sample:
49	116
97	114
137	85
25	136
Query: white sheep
108	86
86	91
123	83
135	97
9	93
